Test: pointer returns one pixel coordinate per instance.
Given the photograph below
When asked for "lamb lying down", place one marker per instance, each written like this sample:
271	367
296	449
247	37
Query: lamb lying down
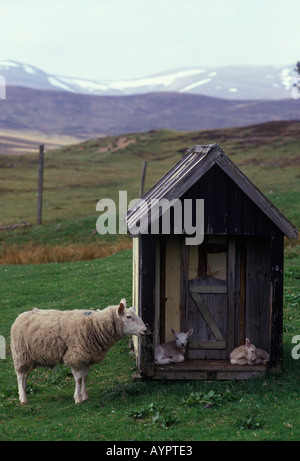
248	354
172	351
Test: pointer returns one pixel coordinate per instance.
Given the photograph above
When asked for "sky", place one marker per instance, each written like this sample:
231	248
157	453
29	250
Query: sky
126	39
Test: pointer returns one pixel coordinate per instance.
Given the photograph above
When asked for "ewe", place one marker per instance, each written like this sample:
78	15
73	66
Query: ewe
77	338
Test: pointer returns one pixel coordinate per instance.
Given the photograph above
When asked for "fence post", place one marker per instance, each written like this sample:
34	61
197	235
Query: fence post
40	186
143	178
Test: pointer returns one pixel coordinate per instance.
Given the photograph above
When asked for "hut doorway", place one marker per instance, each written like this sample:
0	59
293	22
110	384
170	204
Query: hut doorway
206	300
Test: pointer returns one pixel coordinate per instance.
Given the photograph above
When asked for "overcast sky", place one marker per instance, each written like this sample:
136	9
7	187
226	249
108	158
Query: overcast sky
123	39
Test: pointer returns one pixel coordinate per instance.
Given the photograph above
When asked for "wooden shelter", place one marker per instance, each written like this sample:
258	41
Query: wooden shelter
227	288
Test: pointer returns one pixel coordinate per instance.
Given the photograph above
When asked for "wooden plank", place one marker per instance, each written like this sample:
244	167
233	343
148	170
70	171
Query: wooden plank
184	288
135	284
157	294
208	370
276	302
172	285
239	375
220	344
162	283
257	315
221	201
147	303
231	297
212	289
242	293
207	316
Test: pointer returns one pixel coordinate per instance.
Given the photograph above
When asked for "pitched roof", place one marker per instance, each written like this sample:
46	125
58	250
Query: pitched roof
195	163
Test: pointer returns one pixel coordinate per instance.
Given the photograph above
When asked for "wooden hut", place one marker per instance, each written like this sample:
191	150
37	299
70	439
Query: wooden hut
228	288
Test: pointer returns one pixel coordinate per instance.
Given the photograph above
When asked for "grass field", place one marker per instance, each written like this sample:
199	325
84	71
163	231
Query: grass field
119	409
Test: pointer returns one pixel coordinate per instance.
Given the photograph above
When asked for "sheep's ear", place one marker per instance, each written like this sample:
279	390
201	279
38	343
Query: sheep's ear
247	342
190	332
121	309
173	331
132	308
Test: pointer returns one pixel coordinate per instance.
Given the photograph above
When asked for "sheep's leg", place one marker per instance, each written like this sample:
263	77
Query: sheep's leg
78	380
163	361
22	380
239	361
178	358
84	374
80	377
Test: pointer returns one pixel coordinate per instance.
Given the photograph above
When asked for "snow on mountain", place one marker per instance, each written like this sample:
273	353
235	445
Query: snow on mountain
231	82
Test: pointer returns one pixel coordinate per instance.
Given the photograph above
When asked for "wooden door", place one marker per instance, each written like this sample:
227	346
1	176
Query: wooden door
207	299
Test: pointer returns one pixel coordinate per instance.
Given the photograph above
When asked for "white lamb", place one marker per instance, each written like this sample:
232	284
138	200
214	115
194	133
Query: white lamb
244	354
172	351
77	338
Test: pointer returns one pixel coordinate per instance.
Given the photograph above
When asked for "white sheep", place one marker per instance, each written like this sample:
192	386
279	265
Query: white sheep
243	355
172	351
77	338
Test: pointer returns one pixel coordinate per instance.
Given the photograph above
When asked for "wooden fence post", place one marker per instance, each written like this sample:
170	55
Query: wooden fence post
40	186
143	178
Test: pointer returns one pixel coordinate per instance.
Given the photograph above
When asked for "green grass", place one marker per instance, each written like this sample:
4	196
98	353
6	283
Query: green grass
119	409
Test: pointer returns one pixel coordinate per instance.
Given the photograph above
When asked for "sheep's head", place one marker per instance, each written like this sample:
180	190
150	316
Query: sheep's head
250	351
132	323
181	338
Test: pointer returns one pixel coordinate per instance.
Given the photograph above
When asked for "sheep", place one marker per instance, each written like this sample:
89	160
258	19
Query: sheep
173	351
261	356
77	338
243	355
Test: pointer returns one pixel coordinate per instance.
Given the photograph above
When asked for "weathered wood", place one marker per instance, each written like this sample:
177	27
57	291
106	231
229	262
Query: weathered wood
143	179
135	284
147	303
257	314
218	344
211	289
40	185
172	285
206	315
208	370
276	302
231	298
242	293
162	288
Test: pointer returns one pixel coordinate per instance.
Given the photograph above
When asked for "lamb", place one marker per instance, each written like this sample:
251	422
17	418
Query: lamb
173	351
261	356
243	355
77	338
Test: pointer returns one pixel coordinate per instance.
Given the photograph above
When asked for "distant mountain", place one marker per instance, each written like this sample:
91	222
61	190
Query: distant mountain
87	117
232	82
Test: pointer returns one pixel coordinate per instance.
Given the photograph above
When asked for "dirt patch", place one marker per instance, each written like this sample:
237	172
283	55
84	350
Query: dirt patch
122	143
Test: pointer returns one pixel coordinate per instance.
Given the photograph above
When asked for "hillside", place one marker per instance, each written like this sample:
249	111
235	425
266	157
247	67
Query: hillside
60	113
77	176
